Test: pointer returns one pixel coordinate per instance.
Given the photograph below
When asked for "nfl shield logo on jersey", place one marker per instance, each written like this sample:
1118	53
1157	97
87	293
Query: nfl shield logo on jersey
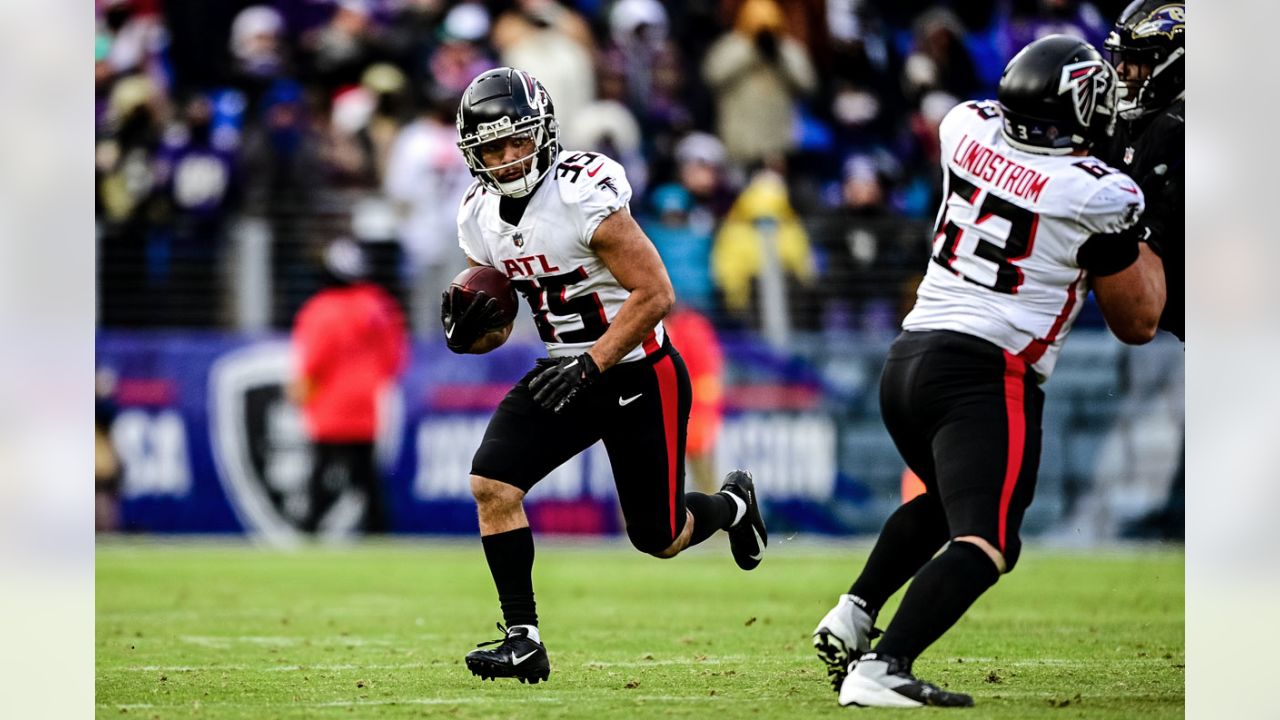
1128	156
518	239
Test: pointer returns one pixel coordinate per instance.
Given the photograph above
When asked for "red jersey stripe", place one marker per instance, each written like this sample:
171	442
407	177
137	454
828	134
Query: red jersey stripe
1035	349
650	343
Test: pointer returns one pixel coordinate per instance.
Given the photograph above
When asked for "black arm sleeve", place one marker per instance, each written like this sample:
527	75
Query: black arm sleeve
1104	255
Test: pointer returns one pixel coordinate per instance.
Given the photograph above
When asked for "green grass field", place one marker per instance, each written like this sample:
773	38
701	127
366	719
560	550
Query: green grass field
222	630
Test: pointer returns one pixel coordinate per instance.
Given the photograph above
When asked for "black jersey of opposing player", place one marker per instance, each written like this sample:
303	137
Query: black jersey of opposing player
1151	150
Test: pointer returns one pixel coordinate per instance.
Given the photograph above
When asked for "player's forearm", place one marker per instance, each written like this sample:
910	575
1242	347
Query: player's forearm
635	320
1132	300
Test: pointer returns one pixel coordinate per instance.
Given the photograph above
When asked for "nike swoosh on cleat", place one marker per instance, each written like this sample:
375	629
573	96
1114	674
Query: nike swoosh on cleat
448	333
628	401
517	660
759	543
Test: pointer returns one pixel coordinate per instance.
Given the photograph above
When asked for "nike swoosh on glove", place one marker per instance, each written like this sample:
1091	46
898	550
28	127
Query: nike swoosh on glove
560	383
465	322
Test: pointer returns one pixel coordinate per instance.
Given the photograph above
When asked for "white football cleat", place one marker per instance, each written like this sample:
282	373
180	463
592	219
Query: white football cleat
843	635
882	681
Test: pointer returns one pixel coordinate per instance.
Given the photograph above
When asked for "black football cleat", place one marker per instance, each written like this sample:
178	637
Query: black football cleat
517	656
748	538
881	681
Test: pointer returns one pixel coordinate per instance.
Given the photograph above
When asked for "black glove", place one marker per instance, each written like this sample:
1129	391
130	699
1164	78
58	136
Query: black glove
464	322
555	386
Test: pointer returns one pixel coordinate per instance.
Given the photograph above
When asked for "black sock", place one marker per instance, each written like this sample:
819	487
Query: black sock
941	593
911	536
710	514
510	556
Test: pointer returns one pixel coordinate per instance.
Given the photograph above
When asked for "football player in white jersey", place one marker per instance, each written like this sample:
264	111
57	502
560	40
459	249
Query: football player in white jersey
1029	225
557	224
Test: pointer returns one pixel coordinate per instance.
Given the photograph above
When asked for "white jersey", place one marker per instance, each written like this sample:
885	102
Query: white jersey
1004	262
548	255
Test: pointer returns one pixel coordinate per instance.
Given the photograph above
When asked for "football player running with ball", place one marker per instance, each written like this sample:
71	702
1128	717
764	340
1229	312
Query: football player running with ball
556	223
1030	224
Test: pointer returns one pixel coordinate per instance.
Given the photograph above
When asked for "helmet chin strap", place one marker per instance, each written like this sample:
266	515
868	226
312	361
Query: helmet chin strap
522	185
527	182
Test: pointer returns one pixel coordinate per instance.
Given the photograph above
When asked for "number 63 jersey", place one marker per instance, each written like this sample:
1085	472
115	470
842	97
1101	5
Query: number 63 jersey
548	255
1004	264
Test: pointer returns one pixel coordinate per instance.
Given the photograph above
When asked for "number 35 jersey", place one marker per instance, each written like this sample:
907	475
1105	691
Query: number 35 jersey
548	255
1004	264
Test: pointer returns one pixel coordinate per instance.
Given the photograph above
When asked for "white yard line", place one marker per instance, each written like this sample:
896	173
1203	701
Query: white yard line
469	700
223	642
1058	661
602	664
274	668
709	660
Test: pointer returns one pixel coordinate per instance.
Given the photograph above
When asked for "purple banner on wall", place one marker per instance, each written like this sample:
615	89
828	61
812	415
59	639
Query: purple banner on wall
210	444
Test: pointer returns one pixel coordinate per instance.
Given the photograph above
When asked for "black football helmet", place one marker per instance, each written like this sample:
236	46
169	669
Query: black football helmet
1057	95
502	103
1154	33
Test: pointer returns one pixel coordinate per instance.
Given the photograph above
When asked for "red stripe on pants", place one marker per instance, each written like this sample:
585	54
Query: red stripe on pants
1015	370
668	391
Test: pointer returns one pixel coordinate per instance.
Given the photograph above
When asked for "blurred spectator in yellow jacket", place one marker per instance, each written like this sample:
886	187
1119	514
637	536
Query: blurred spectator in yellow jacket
761	256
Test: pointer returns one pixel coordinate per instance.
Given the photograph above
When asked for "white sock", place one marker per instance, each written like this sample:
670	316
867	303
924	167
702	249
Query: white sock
533	632
741	506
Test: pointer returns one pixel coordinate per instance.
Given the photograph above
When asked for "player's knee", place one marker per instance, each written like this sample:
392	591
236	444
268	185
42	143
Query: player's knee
1012	550
997	558
494	493
921	516
651	543
659	544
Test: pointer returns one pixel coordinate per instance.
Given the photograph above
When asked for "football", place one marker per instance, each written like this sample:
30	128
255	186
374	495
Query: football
491	282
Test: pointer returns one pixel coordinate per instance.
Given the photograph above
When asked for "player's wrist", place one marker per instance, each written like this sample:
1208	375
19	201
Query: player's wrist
598	365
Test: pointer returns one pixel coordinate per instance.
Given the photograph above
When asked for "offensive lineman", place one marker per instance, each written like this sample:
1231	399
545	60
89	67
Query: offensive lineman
556	223
1029	225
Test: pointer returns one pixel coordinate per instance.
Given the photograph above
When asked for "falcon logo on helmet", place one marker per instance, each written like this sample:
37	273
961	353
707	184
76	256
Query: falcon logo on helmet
508	103
1086	81
1057	95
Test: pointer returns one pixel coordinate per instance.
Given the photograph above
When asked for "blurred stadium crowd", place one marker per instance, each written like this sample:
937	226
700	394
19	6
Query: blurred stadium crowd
783	154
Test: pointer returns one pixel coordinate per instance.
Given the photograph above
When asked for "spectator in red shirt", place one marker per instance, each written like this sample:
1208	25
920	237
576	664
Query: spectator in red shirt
702	354
350	343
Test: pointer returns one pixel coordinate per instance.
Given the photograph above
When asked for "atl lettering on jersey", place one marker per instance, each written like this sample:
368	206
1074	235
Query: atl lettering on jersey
548	256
